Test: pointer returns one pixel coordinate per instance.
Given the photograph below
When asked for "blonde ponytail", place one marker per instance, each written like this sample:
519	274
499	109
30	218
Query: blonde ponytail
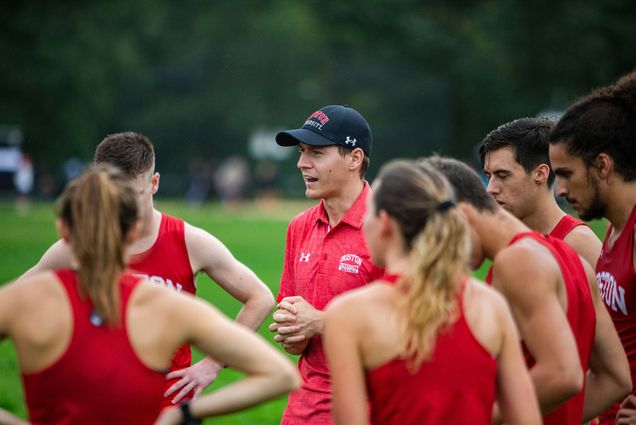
420	200
99	208
439	257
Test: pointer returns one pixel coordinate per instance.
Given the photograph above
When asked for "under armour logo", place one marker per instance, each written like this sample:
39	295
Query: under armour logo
350	141
304	258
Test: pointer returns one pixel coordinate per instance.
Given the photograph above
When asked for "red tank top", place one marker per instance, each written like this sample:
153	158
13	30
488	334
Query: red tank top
616	279
565	226
580	314
167	263
457	385
99	379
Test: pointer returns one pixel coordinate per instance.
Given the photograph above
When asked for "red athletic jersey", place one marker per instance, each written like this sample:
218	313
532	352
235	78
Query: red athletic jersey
99	379
320	263
560	231
565	226
617	283
457	385
167	263
580	314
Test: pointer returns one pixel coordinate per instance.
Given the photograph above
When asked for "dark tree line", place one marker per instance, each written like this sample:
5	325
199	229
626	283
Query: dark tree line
200	77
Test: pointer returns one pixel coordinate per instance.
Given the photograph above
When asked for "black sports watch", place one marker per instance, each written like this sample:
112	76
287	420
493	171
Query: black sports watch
188	419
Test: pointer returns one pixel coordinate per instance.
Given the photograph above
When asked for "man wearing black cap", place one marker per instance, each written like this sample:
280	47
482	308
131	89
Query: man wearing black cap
325	253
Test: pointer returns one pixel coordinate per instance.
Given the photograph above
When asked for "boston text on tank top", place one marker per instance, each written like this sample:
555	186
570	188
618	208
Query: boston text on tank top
167	262
616	280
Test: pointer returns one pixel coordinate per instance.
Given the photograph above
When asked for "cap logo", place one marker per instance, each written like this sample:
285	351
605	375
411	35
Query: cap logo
320	116
351	141
320	119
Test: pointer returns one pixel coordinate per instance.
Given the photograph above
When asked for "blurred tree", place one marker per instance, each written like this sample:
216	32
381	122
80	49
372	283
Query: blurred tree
199	77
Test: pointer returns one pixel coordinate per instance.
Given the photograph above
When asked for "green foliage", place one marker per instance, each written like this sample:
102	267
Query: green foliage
199	77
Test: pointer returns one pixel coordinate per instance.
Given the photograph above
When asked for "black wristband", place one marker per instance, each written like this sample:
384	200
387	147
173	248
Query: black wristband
188	419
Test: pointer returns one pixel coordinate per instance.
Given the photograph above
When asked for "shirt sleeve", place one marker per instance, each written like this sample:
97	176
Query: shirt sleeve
286	281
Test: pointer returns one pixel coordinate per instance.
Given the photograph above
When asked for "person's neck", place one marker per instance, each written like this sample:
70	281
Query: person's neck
148	235
545	215
337	206
396	261
496	230
151	224
620	201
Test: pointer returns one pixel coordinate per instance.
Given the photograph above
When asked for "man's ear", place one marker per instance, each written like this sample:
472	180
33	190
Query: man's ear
62	230
541	173
154	180
604	165
357	155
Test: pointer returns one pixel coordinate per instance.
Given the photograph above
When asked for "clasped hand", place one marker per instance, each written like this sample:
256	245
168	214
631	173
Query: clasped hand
295	323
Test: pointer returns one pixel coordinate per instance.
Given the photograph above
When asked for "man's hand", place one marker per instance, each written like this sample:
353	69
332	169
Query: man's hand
308	320
627	413
194	378
295	323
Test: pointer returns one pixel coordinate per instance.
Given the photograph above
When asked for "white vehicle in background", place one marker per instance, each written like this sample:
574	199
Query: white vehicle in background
16	169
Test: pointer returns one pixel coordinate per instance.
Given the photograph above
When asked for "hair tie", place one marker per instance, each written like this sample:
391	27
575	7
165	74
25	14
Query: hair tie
446	205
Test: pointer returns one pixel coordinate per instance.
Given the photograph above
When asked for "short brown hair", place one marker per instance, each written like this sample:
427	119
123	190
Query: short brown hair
529	139
465	181
132	153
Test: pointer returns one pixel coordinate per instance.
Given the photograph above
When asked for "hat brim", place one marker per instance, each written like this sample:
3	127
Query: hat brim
301	135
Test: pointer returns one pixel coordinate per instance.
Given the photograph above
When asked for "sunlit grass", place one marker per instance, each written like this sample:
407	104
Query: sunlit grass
254	233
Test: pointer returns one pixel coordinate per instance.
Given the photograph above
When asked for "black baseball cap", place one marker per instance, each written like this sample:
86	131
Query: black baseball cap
331	125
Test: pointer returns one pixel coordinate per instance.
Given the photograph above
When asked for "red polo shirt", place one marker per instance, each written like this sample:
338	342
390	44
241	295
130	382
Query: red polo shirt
320	263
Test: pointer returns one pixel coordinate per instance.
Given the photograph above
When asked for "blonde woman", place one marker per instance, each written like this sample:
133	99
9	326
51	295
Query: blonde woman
426	343
94	342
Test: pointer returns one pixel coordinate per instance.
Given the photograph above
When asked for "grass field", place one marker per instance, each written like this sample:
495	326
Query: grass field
255	235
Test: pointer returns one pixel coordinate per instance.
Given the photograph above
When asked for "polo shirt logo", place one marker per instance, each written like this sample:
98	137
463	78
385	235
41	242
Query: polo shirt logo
350	263
304	258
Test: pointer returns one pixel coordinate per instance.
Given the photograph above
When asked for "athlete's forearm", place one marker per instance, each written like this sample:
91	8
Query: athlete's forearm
601	391
256	309
554	387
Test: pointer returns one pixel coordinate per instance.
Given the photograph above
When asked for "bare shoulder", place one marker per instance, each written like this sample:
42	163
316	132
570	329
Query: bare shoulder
362	302
204	249
373	292
36	285
34	293
484	302
582	233
585	243
487	314
526	273
482	294
526	256
194	234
